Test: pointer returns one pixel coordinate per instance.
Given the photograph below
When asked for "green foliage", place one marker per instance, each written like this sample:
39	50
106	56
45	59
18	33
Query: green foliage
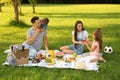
5	2
33	2
62	19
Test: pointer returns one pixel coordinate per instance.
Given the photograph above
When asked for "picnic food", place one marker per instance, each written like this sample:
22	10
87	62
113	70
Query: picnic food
41	56
83	40
36	61
48	60
70	59
51	52
59	55
74	55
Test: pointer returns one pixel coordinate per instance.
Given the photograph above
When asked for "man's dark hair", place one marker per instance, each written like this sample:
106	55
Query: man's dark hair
34	18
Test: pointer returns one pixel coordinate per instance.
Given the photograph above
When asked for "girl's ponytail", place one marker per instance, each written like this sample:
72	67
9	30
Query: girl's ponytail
98	37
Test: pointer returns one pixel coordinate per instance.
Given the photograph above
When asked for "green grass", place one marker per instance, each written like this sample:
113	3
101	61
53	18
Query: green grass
62	19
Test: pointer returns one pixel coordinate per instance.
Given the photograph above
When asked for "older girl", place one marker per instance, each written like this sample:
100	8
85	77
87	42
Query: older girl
79	34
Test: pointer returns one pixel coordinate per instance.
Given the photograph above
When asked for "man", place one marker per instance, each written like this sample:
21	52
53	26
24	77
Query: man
35	37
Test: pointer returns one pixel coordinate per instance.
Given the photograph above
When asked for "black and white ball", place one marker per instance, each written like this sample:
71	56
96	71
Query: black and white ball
108	49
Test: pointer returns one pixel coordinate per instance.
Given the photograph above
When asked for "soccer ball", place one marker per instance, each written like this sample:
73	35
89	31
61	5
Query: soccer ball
108	49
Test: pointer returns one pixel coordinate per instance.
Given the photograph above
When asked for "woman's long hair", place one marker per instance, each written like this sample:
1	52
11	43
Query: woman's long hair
76	30
98	37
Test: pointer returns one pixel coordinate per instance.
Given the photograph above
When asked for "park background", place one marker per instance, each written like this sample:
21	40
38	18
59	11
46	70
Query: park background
62	19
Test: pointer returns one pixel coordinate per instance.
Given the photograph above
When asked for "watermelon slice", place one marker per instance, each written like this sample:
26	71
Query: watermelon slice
59	54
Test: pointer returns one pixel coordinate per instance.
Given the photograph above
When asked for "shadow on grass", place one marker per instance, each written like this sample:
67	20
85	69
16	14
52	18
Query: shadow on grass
19	24
80	15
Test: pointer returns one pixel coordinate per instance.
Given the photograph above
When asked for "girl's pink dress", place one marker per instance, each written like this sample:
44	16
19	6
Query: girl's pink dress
96	51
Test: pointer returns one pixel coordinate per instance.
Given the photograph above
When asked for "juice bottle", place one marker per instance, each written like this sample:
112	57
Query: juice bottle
51	52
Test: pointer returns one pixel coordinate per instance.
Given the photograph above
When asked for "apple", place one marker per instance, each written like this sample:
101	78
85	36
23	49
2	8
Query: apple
83	40
41	56
74	55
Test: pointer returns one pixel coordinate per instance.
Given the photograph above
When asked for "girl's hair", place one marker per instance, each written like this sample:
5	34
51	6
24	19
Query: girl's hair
45	20
98	37
76	30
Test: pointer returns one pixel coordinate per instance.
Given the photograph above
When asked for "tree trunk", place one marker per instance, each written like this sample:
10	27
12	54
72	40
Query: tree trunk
20	9
16	12
33	6
50	1
60	1
0	7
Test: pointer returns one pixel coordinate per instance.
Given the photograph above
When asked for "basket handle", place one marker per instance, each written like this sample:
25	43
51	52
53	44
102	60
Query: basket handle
23	47
12	51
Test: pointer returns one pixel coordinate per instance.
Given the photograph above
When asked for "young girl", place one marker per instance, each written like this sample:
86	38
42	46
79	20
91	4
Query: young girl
79	34
96	46
44	24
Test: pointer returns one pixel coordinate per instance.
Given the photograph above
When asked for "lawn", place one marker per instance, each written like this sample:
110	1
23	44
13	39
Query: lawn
62	20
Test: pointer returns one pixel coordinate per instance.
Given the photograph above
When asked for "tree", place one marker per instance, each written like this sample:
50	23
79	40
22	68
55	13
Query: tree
0	7
19	5
3	2
16	11
33	3
15	4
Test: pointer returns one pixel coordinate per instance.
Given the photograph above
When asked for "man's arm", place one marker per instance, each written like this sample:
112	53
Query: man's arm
45	42
31	39
42	29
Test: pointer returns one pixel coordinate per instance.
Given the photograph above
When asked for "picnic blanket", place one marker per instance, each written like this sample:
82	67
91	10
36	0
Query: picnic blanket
62	63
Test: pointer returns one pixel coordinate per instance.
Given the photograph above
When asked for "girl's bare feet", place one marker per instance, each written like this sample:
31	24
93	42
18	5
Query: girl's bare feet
93	60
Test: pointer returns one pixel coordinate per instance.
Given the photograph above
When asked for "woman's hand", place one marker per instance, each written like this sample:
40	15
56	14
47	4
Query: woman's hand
80	42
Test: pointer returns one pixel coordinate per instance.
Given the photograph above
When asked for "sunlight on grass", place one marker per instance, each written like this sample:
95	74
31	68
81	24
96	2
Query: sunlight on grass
90	8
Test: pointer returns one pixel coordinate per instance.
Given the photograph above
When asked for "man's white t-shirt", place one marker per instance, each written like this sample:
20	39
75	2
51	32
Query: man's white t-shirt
37	44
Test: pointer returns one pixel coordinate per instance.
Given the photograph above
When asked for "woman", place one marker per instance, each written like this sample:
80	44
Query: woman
79	35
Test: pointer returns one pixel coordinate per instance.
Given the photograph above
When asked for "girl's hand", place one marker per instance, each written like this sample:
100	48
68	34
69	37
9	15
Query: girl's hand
80	42
85	43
